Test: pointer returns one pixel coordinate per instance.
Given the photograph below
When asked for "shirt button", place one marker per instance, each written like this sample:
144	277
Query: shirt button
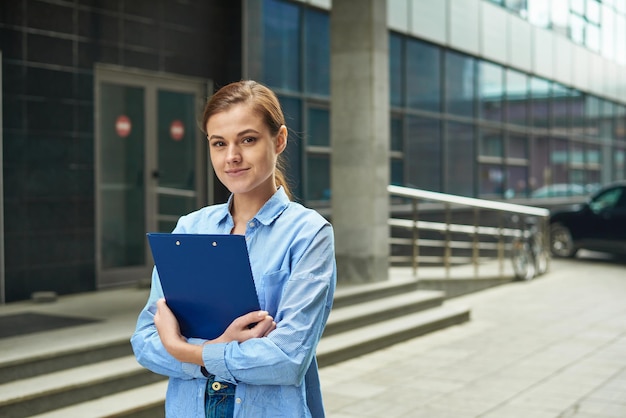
238	400
251	224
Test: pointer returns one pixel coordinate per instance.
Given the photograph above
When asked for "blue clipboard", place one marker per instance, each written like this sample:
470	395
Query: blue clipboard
206	279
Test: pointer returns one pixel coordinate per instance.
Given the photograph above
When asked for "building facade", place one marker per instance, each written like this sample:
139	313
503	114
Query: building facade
498	99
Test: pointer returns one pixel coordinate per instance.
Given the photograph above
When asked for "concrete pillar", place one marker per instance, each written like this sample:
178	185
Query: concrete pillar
360	138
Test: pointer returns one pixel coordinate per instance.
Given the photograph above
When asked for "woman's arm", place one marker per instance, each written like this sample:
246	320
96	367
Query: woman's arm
255	324
305	301
147	345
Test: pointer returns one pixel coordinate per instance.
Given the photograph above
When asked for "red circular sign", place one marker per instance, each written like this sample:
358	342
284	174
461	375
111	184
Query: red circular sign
177	130
122	126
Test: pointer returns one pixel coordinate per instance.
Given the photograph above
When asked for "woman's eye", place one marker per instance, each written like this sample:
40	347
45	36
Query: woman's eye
249	140
218	144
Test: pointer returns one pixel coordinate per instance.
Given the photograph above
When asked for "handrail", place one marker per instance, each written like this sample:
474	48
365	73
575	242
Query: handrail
467	201
525	242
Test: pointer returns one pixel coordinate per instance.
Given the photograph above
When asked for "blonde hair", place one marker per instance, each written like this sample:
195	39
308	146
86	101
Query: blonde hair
264	101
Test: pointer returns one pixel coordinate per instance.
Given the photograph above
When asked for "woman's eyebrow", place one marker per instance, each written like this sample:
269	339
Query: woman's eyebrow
242	133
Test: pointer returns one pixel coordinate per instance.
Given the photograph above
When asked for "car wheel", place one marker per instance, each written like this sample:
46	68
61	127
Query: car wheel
561	242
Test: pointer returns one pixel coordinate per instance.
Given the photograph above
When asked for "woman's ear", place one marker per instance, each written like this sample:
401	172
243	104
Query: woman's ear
281	139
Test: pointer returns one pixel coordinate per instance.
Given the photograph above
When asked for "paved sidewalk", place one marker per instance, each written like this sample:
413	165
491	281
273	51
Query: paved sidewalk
554	347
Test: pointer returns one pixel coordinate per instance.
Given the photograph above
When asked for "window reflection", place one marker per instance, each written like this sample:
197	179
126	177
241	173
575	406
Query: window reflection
423	85
490	91
459	80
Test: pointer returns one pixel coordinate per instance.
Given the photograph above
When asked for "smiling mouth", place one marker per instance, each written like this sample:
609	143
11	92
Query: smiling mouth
236	172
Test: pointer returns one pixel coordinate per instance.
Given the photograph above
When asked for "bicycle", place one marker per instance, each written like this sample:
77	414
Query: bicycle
528	254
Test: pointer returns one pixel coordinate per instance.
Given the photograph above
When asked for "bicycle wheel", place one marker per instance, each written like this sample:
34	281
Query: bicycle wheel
523	261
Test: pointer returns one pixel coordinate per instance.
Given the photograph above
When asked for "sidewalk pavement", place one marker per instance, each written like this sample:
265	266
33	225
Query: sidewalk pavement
554	347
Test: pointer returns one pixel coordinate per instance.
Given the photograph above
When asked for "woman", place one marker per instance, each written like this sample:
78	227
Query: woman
268	369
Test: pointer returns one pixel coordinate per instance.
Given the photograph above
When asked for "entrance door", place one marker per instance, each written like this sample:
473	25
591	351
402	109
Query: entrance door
151	166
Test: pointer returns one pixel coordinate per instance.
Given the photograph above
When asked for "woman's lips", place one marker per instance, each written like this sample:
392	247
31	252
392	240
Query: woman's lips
236	172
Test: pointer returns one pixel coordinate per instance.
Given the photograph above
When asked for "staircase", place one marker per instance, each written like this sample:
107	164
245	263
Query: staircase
104	380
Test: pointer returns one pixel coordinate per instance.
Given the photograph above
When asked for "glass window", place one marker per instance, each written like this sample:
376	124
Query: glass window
559	15
396	64
592	37
423	72
518	147
578	6
607	29
293	154
592	115
491	180
281	45
539	13
460	159
517	183
517	6
423	157
516	97
317	61
318	127
318	177
397	172
619	132
490	91
459	82
577	108
593	11
491	143
559	158
560	109
540	91
619	162
540	167
577	28
397	133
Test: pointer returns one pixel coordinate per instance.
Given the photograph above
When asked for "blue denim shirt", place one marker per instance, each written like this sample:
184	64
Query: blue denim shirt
292	256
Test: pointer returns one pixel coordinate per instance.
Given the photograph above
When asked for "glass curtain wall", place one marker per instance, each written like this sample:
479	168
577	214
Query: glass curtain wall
459	124
293	43
476	128
598	25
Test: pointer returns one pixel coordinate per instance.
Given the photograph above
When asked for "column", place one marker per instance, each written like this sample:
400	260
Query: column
360	138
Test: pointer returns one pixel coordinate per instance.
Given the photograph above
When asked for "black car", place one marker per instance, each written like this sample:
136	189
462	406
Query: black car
598	225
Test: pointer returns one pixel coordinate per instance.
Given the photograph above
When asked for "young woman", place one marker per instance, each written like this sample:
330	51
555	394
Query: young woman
269	369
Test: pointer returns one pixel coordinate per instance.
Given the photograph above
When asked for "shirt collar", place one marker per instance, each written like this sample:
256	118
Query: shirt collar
268	213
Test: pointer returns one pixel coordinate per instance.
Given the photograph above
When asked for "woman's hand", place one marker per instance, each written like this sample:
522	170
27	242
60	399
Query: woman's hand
167	325
255	324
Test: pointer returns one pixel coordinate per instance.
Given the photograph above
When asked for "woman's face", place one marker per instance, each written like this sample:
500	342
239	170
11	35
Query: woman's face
243	152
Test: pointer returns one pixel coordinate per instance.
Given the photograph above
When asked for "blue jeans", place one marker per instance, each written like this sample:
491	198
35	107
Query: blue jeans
219	400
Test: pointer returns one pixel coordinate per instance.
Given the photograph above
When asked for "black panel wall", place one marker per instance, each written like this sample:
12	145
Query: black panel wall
49	51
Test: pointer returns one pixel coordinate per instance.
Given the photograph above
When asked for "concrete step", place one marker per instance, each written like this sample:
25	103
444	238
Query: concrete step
349	344
145	401
56	360
346	295
33	395
361	314
106	381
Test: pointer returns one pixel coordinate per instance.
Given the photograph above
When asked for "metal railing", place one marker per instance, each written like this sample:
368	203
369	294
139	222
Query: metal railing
423	233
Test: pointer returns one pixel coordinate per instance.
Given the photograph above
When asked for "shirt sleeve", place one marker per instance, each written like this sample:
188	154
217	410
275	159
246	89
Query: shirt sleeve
284	356
147	345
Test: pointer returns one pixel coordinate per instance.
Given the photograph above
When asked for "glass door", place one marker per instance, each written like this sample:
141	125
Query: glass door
151	166
176	172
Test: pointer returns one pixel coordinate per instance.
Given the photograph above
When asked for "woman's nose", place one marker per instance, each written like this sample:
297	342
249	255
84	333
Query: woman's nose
233	155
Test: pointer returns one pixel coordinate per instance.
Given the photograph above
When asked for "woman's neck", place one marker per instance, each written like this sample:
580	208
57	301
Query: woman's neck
244	207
